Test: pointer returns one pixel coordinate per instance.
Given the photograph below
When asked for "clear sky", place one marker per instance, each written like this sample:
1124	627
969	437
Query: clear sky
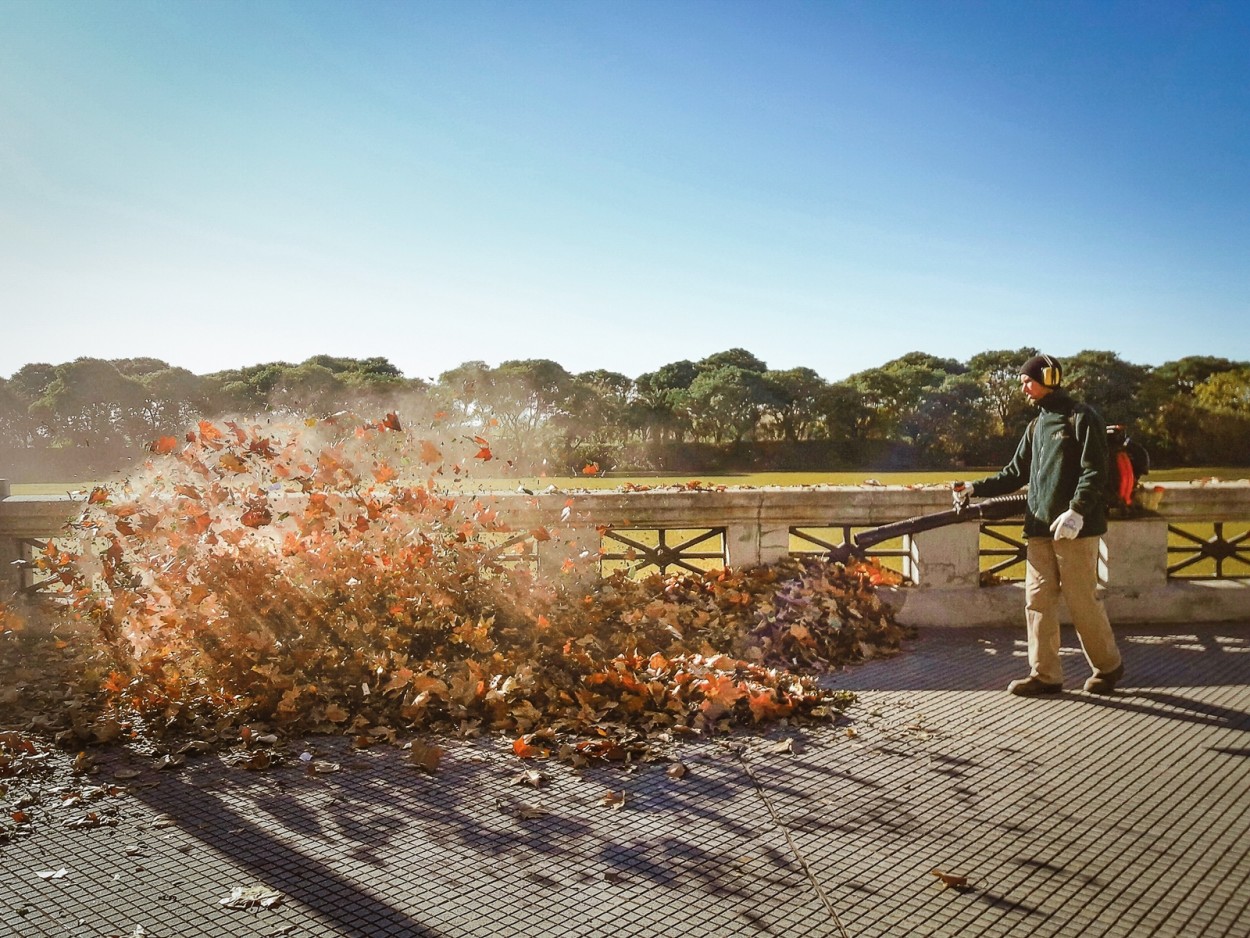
622	184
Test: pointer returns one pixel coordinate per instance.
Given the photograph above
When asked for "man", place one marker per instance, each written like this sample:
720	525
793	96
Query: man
1063	458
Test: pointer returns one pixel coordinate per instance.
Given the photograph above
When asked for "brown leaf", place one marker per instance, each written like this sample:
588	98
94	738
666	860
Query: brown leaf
531	777
425	757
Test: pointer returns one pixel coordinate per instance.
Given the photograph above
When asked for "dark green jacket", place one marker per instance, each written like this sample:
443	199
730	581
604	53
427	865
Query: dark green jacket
1063	458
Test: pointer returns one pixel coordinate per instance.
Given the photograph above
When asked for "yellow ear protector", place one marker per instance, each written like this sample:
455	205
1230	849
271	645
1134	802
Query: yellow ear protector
1052	374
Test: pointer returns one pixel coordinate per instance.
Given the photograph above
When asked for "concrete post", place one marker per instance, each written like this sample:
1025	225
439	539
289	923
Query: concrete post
1134	555
945	558
10	552
752	542
743	546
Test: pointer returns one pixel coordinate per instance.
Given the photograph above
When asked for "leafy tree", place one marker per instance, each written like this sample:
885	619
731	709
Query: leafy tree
895	389
246	389
138	367
844	416
599	406
737	357
31	382
175	398
998	374
797	395
951	424
597	422
1226	392
16	426
659	408
307	389
1109	384
728	402
1185	374
91	403
465	388
348	368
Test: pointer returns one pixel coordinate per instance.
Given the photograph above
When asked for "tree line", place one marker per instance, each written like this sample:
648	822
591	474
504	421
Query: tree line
725	412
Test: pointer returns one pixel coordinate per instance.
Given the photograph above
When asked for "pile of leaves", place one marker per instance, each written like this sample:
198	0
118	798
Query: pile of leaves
295	579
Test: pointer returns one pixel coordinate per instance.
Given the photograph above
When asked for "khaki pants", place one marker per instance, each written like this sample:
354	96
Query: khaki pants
1068	569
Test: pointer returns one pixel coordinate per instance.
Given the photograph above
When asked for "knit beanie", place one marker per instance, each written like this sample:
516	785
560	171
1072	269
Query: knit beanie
1043	369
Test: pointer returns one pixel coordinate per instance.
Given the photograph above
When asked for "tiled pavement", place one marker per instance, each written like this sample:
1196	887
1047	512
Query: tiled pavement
1076	816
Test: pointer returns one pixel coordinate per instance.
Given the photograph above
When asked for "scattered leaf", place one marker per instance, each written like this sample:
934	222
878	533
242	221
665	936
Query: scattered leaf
950	880
252	897
425	757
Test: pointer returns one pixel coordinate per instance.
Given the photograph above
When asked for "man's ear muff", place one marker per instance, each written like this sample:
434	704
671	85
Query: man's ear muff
1051	374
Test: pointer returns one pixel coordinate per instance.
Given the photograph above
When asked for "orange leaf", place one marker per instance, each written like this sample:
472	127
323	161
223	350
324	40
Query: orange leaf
164	446
429	452
524	747
384	473
484	454
590	469
209	432
951	880
391	422
257	516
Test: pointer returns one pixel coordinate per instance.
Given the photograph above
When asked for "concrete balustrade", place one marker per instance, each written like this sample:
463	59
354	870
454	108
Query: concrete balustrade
943	565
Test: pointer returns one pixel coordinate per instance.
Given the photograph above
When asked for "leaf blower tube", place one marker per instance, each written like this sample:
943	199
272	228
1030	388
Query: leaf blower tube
991	509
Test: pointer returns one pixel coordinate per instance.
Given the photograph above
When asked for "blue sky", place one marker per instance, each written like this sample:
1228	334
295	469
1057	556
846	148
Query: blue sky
622	184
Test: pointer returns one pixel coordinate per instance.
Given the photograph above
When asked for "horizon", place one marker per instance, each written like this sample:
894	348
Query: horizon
622	186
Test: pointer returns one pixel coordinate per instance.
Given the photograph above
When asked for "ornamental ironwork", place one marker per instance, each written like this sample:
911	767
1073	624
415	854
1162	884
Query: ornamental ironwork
650	547
1219	556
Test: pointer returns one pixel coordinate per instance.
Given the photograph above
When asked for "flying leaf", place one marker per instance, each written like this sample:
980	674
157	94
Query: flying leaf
256	517
430	453
164	445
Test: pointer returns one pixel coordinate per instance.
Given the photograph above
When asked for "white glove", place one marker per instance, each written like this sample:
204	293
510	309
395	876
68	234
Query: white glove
1067	525
960	493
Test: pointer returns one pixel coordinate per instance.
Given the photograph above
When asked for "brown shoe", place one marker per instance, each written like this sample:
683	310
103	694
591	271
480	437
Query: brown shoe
1104	683
1032	687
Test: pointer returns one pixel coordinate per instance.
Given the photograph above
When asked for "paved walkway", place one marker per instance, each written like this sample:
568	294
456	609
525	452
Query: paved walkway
1076	816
